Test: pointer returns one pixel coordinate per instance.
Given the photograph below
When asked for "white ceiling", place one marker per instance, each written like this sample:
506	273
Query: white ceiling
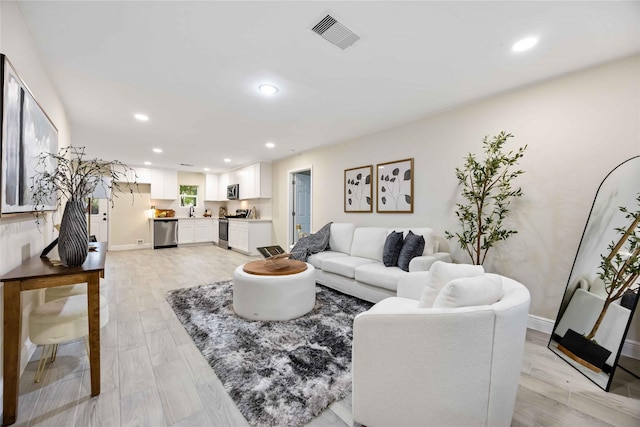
194	68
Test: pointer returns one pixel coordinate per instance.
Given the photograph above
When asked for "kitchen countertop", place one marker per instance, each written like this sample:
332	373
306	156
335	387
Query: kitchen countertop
186	217
210	218
249	220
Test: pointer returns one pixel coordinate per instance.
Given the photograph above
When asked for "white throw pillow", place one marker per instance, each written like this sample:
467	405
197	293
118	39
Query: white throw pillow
441	274
469	291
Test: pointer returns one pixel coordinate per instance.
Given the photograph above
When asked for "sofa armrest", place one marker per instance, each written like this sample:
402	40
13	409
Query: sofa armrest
424	262
426	344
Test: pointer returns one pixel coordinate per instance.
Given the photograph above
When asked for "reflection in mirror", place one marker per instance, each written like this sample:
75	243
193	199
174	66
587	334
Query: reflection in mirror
608	254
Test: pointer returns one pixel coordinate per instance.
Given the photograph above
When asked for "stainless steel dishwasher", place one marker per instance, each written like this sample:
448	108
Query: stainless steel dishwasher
165	233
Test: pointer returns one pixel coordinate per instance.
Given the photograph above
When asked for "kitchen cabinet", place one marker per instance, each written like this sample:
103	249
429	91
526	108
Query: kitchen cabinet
255	181
216	228
164	184
262	177
247	235
143	175
239	236
223	181
203	230
247	181
211	187
186	231
197	230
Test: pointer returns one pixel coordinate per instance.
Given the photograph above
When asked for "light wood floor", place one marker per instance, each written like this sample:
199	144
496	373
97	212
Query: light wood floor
153	374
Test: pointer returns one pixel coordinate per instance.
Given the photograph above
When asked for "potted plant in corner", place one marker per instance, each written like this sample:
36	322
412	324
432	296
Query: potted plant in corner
486	186
69	175
619	271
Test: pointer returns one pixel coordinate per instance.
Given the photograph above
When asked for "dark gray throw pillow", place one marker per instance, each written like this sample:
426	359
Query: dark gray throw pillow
392	247
412	247
311	244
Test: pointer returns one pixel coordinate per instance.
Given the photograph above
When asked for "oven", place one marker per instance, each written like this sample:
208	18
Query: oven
223	233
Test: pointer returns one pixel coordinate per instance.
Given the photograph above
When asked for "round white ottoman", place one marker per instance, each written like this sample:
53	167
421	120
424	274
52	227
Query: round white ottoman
281	297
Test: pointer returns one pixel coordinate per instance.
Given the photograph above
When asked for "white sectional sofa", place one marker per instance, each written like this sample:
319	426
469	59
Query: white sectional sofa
353	262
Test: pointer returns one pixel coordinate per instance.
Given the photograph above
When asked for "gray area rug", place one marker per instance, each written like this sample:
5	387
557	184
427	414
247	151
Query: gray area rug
277	373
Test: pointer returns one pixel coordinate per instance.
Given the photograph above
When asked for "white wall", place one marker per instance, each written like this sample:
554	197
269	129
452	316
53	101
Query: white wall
578	127
19	235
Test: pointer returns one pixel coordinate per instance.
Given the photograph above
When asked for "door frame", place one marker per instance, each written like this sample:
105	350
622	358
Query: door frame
291	199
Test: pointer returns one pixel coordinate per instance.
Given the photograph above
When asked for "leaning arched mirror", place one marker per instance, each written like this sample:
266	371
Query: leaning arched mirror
602	292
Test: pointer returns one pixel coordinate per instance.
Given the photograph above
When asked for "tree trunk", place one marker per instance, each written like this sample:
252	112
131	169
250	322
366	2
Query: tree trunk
597	325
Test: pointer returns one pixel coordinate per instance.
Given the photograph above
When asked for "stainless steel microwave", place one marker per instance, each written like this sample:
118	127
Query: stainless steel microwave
233	192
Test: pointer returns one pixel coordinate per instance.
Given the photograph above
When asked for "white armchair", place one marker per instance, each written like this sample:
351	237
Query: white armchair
438	366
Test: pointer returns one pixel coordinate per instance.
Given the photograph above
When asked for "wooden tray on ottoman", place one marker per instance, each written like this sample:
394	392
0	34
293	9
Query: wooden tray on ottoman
280	267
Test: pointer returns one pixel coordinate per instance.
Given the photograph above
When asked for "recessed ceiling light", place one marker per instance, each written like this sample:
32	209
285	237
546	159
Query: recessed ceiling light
267	89
524	44
141	117
147	163
206	169
269	145
227	160
157	150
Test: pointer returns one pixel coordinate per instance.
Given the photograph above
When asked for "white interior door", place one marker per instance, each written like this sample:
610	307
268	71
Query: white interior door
300	204
303	201
99	219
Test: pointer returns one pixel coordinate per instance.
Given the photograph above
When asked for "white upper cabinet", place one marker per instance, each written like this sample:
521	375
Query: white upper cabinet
246	181
211	187
263	180
143	175
223	181
164	184
254	181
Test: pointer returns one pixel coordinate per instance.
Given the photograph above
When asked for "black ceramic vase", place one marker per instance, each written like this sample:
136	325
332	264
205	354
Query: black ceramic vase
73	245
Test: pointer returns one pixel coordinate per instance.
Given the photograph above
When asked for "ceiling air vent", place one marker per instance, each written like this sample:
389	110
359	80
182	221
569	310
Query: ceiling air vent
334	32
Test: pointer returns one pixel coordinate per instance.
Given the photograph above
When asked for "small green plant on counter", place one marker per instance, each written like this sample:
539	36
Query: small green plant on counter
487	190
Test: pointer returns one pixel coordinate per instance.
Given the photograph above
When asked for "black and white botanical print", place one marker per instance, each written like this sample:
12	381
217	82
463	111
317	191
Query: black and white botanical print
358	192
395	187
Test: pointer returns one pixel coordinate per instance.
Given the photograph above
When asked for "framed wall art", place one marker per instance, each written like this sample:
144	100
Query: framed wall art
395	187
358	191
27	132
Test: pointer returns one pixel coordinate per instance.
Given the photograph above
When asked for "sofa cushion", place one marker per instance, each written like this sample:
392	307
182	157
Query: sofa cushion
317	259
391	249
412	247
368	242
427	233
344	266
376	274
341	237
441	274
311	244
470	291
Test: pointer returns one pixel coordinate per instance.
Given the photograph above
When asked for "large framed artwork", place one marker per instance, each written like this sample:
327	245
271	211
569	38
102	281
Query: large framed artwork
394	186
27	132
358	192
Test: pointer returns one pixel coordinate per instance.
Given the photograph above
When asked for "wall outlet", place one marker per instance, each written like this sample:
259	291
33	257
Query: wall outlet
140	241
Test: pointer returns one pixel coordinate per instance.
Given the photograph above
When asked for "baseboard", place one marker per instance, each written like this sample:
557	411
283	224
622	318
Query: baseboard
129	247
541	324
630	348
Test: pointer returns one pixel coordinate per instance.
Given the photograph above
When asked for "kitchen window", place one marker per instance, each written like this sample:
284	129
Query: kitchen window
188	196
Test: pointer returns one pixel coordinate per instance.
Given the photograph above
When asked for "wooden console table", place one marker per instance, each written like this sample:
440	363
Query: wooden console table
38	273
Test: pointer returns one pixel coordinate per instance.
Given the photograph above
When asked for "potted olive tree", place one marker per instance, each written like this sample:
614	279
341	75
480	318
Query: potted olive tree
487	190
67	175
619	270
